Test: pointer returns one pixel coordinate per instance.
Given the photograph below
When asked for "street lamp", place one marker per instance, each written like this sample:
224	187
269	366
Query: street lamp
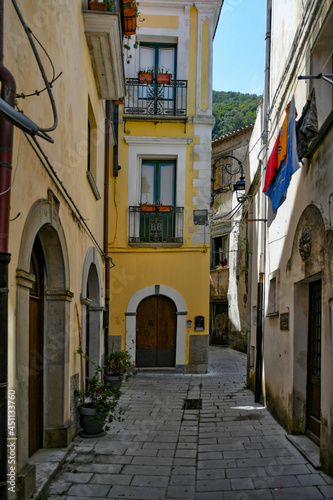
231	170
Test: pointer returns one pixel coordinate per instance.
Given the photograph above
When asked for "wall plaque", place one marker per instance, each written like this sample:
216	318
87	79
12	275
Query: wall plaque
284	321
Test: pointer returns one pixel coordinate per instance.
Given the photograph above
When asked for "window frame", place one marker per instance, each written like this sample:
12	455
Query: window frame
158	163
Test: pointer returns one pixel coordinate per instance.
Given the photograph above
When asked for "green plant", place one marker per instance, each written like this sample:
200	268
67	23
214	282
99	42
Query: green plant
147	70
120	363
163	70
98	394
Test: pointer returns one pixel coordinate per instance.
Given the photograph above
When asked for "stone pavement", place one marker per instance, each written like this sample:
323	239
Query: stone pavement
230	449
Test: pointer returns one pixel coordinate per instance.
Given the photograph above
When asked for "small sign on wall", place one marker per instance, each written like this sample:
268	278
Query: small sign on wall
199	323
284	321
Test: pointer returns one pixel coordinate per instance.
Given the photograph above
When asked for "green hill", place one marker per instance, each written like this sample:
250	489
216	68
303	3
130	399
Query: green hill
233	110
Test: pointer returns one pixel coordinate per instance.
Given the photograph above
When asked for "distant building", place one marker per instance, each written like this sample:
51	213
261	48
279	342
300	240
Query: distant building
228	274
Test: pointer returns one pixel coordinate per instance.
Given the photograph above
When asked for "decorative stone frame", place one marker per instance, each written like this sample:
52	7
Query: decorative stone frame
91	275
43	219
131	313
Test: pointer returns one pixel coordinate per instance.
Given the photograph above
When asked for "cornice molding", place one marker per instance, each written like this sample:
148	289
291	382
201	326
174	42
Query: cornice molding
167	141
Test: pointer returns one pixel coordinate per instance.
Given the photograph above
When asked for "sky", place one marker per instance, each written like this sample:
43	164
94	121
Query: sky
239	47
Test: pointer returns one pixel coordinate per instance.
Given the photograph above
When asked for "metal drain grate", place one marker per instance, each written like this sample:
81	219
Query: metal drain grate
192	404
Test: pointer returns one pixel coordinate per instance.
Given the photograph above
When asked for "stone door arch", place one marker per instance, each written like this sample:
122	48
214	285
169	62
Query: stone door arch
91	307
181	313
43	220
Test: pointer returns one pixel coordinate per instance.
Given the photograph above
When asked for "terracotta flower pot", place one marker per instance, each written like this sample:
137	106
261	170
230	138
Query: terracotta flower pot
145	77
164	208
147	208
93	5
163	78
129	25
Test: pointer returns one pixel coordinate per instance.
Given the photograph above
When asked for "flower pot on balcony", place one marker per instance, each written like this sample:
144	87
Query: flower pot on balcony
163	78
146	207
145	77
93	5
164	208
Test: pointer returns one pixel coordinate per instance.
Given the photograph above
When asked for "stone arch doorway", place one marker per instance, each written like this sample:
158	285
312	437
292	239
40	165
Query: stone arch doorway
43	226
156	332
307	271
181	313
91	308
36	345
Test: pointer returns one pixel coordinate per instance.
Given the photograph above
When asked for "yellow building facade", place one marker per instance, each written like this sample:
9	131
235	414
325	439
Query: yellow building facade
159	199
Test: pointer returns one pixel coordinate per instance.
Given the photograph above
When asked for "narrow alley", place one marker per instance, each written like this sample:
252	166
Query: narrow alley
190	437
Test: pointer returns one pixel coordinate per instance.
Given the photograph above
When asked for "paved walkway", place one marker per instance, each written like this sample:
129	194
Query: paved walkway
231	449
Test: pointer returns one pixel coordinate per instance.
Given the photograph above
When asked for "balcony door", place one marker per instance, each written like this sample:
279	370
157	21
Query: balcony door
159	57
158	182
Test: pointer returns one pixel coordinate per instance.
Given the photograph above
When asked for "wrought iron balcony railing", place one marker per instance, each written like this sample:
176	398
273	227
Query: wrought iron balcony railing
161	224
156	99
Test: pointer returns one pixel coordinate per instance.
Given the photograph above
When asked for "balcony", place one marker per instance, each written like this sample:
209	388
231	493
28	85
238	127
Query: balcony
156	226
103	30
219	283
155	99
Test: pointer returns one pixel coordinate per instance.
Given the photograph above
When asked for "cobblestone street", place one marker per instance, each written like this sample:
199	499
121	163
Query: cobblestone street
230	449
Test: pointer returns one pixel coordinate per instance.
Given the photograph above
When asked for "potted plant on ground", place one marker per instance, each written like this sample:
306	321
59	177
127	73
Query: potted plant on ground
97	403
163	76
101	5
118	366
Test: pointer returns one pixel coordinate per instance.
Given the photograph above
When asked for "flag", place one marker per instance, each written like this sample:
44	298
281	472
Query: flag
277	189
272	165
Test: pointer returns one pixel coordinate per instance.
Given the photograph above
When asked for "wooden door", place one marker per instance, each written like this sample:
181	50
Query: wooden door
314	361
36	358
156	332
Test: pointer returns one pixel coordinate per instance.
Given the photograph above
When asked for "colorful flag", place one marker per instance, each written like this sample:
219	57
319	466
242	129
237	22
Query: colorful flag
272	165
276	190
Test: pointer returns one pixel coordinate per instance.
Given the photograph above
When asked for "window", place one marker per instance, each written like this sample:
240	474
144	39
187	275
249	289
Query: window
158	56
158	182
322	62
92	151
272	308
220	251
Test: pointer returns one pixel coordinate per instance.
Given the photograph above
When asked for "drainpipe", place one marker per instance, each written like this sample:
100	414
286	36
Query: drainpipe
8	91
267	67
106	226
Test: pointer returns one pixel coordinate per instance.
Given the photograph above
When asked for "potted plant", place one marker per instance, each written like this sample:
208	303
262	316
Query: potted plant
101	5
146	75
97	403
130	13
163	76
147	207
164	208
118	366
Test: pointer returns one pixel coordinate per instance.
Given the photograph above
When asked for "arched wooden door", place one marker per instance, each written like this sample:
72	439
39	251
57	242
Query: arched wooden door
156	331
36	345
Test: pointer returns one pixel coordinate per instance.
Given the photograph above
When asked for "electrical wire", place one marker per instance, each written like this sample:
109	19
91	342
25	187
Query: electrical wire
54	78
42	131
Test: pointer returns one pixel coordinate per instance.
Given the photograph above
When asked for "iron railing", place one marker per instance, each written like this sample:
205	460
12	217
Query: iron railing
156	99
157	225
